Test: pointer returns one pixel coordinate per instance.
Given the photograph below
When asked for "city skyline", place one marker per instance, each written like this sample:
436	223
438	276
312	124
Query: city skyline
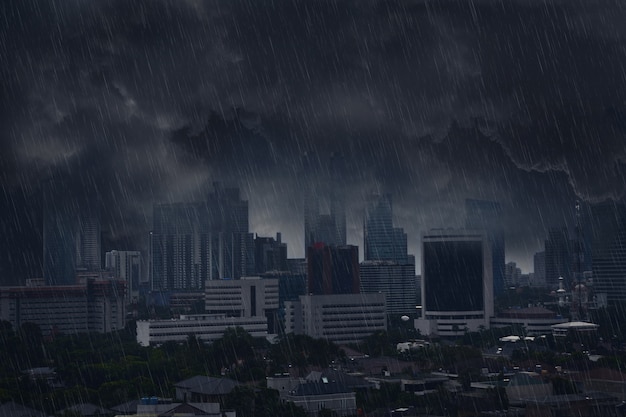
434	103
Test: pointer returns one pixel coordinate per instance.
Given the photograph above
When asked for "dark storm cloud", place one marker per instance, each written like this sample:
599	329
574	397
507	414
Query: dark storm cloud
147	101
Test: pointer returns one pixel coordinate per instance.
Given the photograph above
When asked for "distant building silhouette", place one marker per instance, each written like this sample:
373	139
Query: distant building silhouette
332	270
270	254
71	235
539	263
322	187
559	258
381	241
487	215
608	235
193	242
126	265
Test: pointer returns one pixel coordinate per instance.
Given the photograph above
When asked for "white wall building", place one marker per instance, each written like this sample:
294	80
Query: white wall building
457	282
206	327
339	318
245	297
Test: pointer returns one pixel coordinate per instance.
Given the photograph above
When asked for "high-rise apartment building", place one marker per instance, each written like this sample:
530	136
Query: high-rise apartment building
71	235
126	266
381	241
324	205
457	287
487	216
539	263
394	280
559	258
193	242
608	235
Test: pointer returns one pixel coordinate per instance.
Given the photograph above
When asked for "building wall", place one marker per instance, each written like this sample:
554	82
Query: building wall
457	288
206	327
396	281
246	297
93	307
126	265
343	318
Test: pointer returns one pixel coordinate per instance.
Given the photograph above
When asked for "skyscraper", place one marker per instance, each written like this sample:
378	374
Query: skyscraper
396	281
71	235
381	241
322	191
608	232
193	242
332	270
457	287
487	216
559	258
126	266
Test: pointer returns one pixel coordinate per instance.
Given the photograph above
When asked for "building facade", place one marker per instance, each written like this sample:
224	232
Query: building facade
205	327
338	318
194	242
333	269
488	216
457	287
381	241
396	281
608	235
96	306
126	265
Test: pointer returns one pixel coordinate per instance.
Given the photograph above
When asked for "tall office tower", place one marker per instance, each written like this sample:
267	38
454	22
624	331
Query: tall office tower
559	258
270	254
608	233
322	191
126	266
512	275
396	281
193	242
71	235
487	215
539	262
383	242
457	285
332	270
88	243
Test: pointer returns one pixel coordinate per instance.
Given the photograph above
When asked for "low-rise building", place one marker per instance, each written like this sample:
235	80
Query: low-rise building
535	320
338	318
206	327
94	306
204	389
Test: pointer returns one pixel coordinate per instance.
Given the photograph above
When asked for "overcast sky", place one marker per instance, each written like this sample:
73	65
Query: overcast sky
138	102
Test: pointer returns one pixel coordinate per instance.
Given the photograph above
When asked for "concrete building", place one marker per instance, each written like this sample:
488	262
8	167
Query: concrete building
338	318
95	306
457	288
246	297
381	241
324	206
269	254
559	258
608	235
206	327
539	263
396	281
198	241
126	265
332	269
487	216
536	321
